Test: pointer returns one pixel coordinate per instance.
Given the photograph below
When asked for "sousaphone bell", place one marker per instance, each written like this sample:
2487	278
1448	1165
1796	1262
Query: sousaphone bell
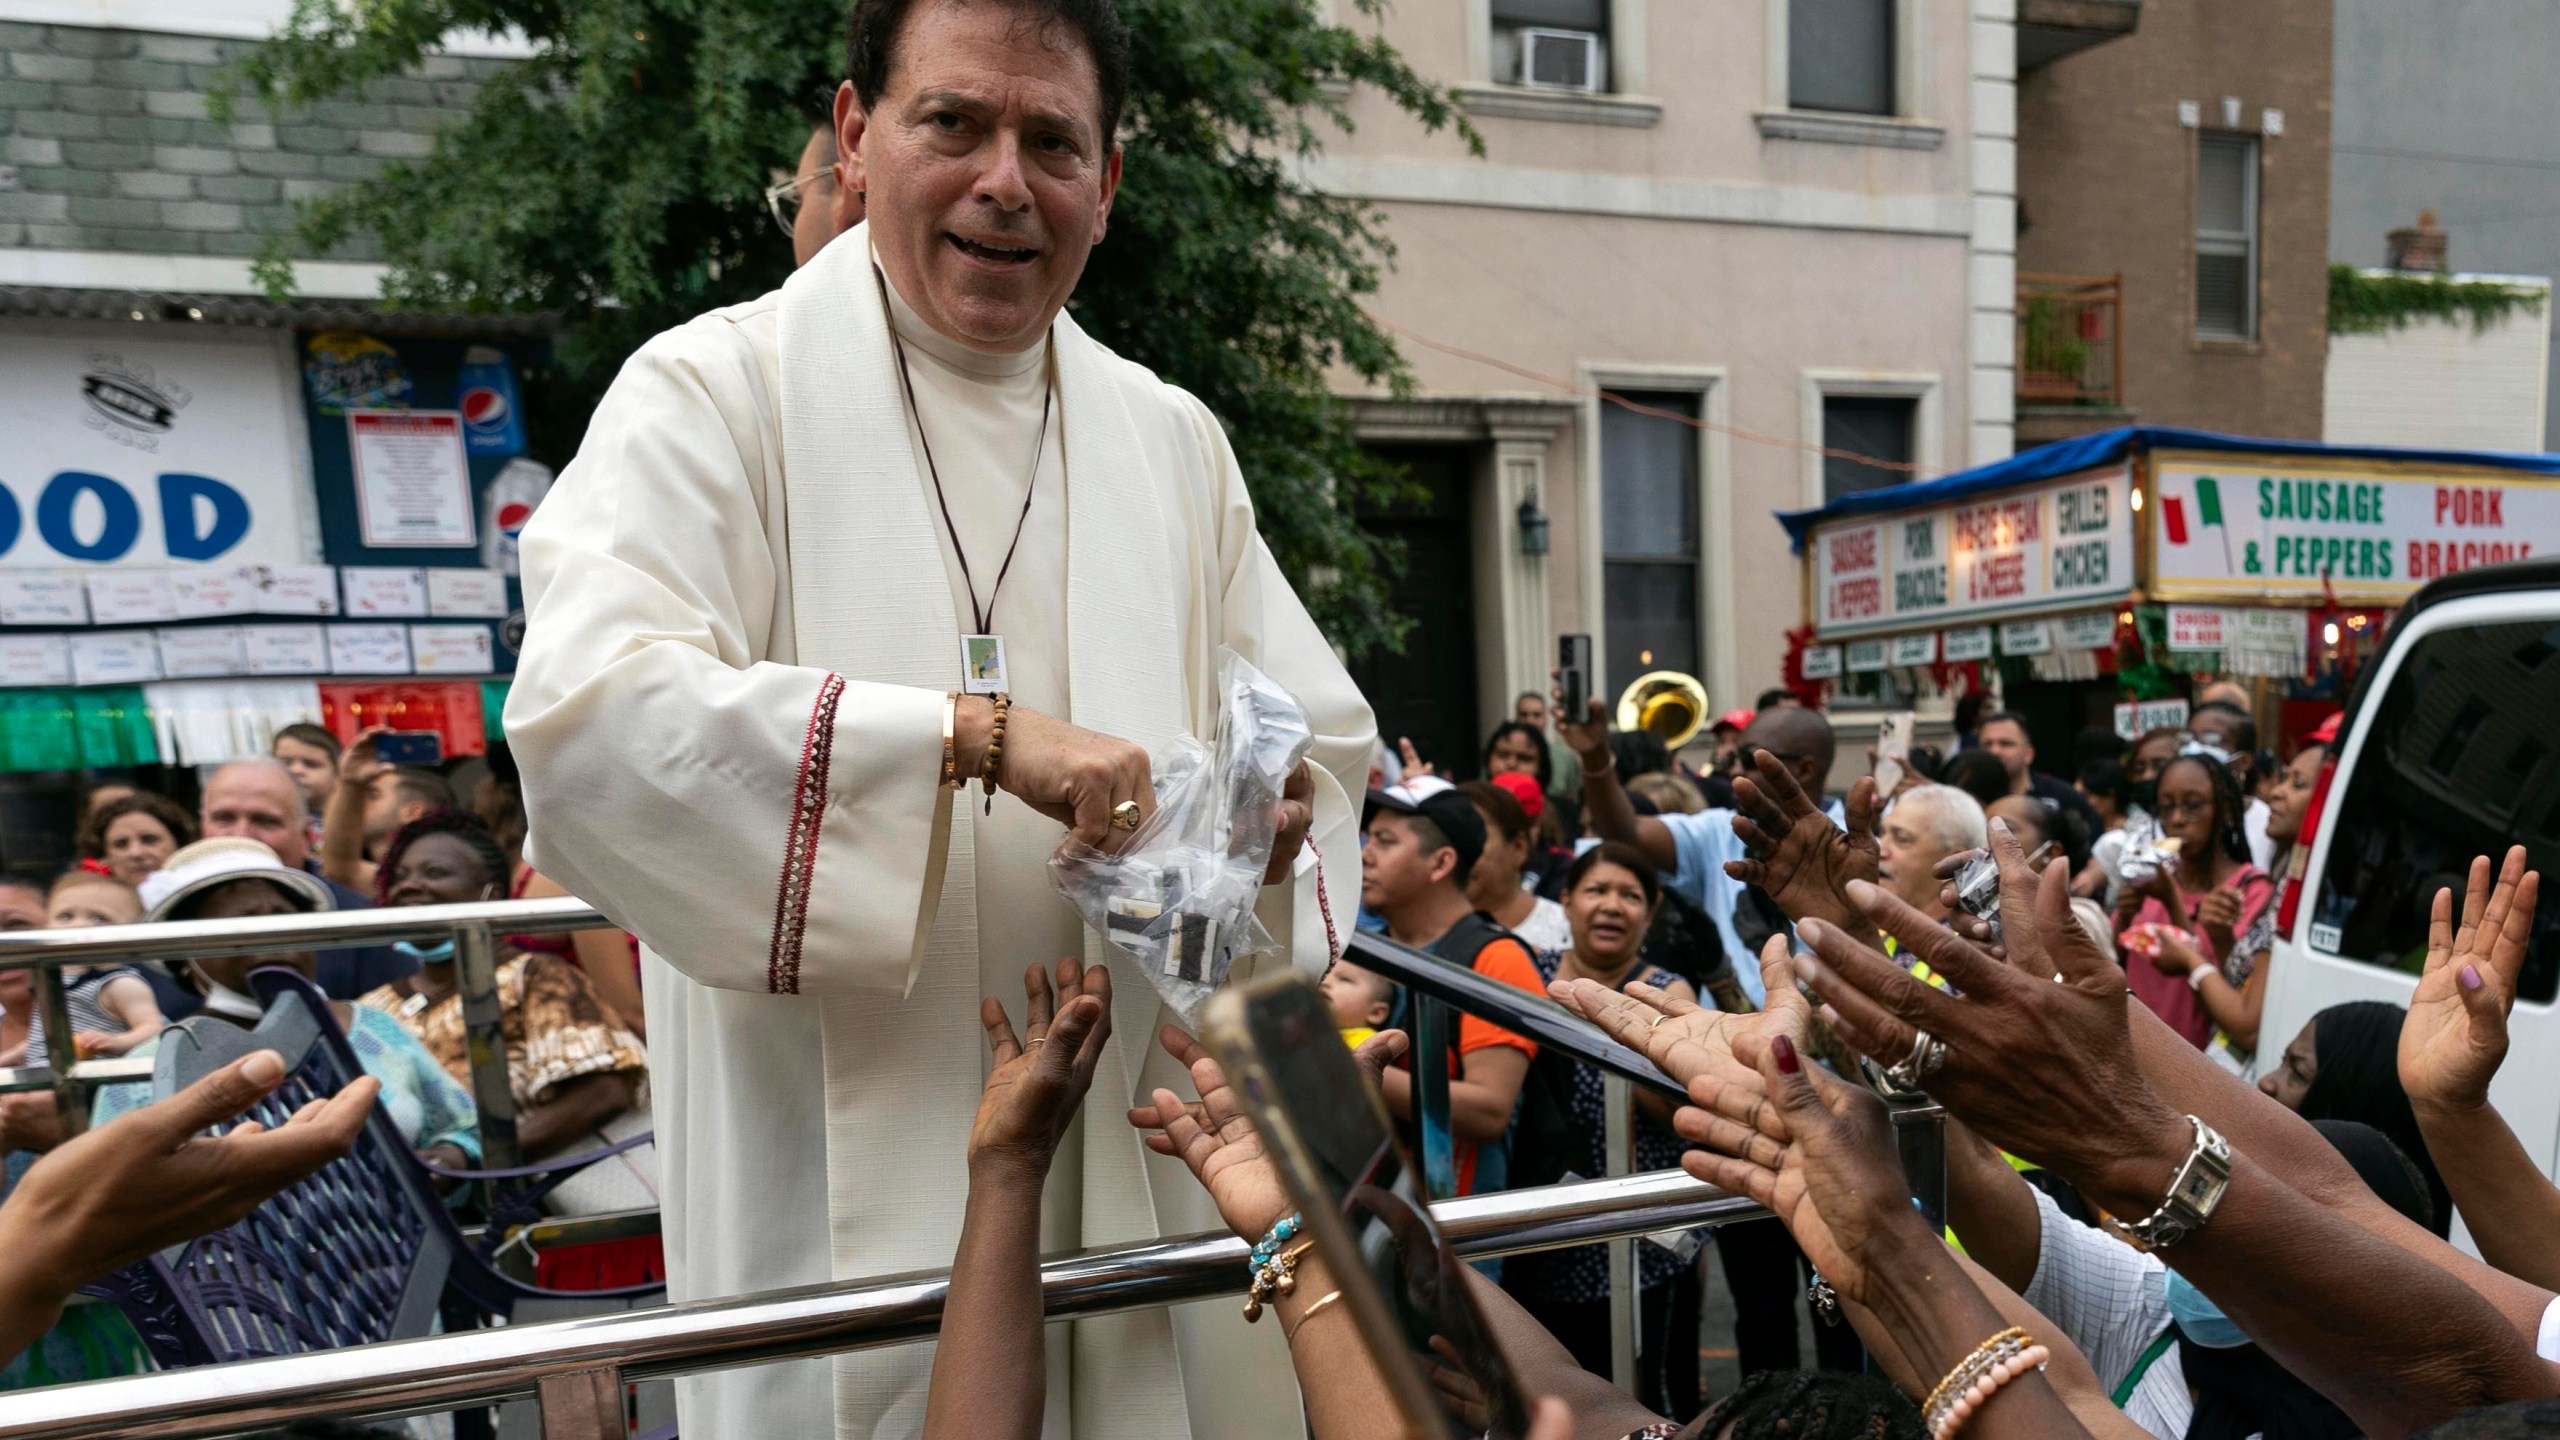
1666	702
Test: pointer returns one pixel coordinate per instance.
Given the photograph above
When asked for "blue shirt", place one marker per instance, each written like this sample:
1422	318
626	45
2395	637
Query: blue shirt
1704	842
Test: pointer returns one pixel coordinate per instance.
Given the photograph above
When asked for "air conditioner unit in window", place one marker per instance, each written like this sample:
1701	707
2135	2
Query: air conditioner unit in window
1560	59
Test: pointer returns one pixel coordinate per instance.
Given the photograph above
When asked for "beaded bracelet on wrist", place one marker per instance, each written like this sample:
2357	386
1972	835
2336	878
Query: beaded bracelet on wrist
995	749
1978	1377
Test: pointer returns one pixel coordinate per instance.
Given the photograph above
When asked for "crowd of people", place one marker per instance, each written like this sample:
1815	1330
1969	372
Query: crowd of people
321	826
2136	1241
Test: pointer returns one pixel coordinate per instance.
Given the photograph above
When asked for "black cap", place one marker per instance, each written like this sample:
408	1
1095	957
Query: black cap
1439	802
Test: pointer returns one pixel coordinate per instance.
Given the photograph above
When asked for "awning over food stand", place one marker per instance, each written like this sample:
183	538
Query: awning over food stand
2050	549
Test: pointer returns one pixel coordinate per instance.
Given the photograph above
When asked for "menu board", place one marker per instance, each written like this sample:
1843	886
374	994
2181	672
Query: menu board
2236	526
2042	548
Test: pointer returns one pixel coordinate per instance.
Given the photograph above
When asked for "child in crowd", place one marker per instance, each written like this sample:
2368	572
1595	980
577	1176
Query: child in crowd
1424	837
112	1008
1361	1000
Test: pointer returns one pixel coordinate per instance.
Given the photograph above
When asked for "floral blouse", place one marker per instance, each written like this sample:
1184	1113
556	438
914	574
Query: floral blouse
556	1029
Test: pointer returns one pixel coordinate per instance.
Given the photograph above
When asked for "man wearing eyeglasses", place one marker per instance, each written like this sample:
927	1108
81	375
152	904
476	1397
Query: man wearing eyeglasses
813	207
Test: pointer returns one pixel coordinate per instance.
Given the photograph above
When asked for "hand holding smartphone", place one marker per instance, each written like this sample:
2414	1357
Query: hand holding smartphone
1360	1199
1893	752
1573	678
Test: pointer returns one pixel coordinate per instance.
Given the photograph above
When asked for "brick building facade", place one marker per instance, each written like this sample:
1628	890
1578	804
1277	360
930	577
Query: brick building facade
106	143
2188	155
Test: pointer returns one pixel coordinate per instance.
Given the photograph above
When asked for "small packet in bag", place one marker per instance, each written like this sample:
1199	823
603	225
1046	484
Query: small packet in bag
1178	898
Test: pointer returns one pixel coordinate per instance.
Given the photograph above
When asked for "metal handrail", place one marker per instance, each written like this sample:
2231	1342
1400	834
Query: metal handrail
320	930
477	1367
473	926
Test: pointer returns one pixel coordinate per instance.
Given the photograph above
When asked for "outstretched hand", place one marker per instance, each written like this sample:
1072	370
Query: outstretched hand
1040	1079
1819	1152
1215	1139
2039	1050
2456	1034
1796	854
151	1179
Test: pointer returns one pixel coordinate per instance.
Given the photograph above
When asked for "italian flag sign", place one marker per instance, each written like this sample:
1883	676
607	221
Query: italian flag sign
2173	514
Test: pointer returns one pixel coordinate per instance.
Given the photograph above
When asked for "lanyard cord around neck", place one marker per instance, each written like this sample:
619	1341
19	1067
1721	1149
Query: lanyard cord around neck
1031	488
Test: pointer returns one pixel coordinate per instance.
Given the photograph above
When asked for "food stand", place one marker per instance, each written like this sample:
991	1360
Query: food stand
2130	560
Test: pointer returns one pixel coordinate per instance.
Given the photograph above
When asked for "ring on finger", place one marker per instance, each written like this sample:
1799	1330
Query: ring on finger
1658	1017
1124	816
1034	1043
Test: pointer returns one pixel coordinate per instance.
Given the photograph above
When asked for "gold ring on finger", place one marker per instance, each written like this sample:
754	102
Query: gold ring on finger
1658	1017
1124	816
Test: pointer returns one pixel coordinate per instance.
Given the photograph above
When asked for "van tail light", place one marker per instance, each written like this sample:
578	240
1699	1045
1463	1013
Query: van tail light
2290	901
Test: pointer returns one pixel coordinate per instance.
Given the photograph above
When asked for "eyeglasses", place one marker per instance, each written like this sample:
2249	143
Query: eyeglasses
2181	809
782	198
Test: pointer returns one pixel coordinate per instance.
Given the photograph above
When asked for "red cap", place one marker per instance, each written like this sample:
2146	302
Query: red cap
1732	720
1524	788
2326	732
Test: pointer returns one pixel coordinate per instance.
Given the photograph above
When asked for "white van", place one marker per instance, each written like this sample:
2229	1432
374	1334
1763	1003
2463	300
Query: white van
2450	748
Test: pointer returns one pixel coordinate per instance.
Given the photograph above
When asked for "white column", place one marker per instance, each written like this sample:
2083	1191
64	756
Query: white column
1992	341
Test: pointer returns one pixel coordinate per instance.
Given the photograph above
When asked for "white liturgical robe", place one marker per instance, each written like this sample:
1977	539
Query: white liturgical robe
744	615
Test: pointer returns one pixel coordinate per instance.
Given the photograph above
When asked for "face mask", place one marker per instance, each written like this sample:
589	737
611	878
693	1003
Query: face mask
428	954
2200	1321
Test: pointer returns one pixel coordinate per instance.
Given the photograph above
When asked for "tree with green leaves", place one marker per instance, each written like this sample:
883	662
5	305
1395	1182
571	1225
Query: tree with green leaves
615	179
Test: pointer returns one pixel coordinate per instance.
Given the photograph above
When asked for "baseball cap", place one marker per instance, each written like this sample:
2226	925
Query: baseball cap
1439	802
1523	788
1732	720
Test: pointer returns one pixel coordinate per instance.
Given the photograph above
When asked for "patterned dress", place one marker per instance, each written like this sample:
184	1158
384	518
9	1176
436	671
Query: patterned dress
556	1029
1581	1274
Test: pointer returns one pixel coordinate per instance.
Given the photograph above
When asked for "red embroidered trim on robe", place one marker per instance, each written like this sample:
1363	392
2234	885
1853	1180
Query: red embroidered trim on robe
1324	906
800	843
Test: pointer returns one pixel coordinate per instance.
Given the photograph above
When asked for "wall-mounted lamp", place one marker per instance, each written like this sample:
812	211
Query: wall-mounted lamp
1533	526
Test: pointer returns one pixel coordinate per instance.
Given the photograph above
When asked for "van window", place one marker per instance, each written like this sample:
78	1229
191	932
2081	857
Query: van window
2455	765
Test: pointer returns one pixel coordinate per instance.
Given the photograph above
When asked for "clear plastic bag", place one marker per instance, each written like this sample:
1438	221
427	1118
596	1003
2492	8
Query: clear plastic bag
1178	898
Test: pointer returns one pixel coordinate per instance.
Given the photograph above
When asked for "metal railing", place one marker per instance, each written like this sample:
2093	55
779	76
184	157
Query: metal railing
474	928
565	1362
2071	339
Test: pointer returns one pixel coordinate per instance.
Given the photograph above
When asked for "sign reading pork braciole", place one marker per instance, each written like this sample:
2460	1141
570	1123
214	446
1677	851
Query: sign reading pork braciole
2238	526
2062	545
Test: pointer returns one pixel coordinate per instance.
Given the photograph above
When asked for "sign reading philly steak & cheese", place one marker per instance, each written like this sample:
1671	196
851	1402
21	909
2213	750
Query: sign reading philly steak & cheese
2242	527
2060	545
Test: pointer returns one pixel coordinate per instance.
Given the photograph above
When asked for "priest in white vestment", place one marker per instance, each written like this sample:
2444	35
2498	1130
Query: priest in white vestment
746	600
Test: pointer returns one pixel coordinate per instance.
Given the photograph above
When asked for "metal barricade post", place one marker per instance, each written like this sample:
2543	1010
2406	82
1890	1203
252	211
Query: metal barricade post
62	1052
1625	1317
475	974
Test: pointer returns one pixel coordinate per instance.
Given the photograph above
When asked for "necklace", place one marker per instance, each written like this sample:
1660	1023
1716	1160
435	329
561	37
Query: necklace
982	667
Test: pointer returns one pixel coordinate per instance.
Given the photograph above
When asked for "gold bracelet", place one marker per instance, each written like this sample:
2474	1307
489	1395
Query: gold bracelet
951	741
1312	1310
995	749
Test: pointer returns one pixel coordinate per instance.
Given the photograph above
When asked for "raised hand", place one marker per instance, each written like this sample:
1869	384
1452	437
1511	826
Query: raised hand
1415	767
1040	1079
1796	854
1683	1039
2456	1034
1587	733
1818	1152
151	1179
1215	1139
2039	1050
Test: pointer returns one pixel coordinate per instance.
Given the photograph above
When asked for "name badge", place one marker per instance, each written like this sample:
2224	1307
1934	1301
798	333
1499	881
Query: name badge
982	665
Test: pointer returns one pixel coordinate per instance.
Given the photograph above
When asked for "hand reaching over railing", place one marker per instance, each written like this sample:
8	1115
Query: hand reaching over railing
151	1180
989	1378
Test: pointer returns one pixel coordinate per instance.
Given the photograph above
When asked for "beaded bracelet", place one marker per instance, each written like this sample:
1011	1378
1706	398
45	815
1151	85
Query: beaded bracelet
995	750
1979	1376
1274	1278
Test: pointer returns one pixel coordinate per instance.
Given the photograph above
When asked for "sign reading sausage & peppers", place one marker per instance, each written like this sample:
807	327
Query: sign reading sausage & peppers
2062	545
2241	527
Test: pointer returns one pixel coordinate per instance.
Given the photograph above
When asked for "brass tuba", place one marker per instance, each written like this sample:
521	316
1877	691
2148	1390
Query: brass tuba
1666	702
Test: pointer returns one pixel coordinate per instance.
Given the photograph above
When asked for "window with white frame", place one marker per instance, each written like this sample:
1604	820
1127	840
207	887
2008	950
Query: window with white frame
1649	531
1841	56
2226	237
1551	44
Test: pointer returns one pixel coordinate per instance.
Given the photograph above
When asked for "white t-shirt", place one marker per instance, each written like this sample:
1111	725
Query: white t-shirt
2262	851
1545	930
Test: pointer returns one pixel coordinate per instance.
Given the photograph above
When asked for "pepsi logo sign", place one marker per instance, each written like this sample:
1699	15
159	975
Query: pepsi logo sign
484	408
512	515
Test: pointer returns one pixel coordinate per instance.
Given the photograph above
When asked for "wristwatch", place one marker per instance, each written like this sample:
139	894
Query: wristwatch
2194	1193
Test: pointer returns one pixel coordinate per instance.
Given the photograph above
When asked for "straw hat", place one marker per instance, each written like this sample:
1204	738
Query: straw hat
219	861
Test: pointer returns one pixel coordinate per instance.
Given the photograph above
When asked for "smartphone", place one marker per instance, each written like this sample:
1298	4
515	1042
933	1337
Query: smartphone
1362	1200
1893	751
1573	677
409	747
